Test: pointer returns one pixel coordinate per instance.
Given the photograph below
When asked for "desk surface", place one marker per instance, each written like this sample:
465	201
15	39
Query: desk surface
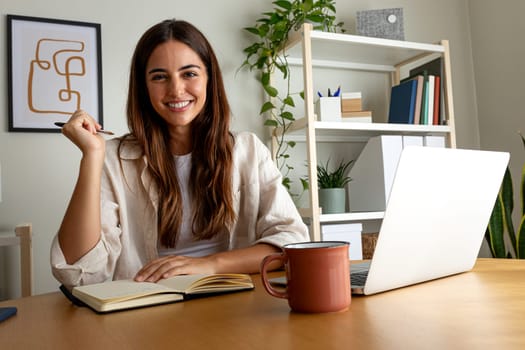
484	308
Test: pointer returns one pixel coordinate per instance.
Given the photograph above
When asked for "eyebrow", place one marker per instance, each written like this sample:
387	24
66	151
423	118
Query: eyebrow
157	70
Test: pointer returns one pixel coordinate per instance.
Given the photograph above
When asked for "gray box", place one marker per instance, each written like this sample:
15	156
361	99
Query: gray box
385	23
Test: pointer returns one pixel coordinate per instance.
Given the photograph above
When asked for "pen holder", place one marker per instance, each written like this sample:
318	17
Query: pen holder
328	109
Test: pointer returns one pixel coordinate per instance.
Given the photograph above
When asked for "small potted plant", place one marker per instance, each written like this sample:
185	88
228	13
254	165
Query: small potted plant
331	183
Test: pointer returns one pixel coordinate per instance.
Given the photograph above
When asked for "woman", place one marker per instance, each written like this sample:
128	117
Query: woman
180	194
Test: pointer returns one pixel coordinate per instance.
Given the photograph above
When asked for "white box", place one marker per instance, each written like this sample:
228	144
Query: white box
434	141
328	109
350	233
373	173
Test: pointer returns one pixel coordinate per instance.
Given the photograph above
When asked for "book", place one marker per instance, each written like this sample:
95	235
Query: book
419	96
126	294
437	101
424	102
430	92
6	312
402	102
435	68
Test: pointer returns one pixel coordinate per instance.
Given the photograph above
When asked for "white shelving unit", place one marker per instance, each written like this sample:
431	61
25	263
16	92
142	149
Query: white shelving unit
312	49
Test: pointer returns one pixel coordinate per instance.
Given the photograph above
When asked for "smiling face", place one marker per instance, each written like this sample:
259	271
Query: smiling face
176	80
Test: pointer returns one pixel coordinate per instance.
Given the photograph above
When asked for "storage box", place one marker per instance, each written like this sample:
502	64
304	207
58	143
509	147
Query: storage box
328	109
350	233
351	102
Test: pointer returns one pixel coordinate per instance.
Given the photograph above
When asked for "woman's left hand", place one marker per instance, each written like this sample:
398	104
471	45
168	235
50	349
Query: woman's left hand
169	266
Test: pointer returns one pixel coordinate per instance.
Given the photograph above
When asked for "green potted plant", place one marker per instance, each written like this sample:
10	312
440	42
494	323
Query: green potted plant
331	183
267	56
501	227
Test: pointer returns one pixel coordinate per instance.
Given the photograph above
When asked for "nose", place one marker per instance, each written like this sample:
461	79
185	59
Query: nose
176	87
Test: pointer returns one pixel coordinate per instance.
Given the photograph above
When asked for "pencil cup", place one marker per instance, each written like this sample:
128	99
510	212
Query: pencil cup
328	109
317	276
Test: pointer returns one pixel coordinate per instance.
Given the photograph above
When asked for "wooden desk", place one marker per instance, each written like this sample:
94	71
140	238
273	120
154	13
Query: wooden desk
480	309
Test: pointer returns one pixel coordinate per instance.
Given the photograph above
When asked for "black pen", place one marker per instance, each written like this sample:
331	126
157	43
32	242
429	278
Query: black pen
61	124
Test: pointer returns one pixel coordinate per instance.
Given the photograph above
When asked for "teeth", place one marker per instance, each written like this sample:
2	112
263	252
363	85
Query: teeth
179	104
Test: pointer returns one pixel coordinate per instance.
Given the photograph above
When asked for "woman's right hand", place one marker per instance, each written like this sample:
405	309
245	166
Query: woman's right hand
81	129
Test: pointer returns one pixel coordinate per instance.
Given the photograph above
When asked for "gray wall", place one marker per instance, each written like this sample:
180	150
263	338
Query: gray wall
498	51
39	170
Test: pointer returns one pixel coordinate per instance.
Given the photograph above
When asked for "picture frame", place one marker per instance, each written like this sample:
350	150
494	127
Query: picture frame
54	68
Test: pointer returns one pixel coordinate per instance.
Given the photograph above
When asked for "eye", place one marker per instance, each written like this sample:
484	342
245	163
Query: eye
158	77
190	74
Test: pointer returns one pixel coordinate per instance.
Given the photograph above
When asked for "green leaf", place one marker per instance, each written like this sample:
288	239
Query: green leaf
270	90
287	116
265	78
289	101
253	30
284	4
305	184
521	239
286	182
507	202
266	107
496	231
291	144
271	122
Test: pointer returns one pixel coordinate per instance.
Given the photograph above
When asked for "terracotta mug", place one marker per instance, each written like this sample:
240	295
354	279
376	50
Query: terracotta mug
317	276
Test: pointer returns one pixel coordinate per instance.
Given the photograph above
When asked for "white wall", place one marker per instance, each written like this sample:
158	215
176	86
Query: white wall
39	170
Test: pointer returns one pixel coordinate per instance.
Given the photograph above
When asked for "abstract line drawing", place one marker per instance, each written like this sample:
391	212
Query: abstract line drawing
55	69
56	59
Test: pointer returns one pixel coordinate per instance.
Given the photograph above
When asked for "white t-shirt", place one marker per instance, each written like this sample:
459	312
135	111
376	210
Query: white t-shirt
186	244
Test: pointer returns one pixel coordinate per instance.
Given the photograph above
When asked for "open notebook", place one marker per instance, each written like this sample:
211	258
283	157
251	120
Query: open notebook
439	207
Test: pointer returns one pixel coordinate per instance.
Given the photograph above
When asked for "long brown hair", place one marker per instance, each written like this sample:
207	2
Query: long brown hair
211	170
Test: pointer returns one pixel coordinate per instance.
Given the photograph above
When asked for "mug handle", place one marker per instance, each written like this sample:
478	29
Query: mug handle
264	275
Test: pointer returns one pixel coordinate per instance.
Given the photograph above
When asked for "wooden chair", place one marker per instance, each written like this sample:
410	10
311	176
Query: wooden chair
23	238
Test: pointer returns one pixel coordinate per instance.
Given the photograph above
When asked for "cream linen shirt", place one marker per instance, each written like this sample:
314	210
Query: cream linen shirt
129	202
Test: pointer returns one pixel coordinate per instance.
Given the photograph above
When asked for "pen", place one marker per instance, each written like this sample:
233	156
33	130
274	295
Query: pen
337	92
61	124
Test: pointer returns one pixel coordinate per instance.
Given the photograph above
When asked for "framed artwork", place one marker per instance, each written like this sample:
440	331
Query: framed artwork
54	68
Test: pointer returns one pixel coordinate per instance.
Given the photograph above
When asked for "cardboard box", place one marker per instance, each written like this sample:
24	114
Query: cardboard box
351	102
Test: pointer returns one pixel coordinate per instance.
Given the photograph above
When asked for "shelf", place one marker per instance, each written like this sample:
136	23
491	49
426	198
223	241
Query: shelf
345	129
360	52
309	49
344	217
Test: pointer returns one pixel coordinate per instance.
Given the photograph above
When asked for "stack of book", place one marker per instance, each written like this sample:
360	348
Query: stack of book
352	108
418	98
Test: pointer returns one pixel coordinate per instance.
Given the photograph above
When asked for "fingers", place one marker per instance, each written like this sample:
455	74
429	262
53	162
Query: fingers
81	118
171	266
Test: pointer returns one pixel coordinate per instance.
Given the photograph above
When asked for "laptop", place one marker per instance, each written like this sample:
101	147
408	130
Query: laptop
437	213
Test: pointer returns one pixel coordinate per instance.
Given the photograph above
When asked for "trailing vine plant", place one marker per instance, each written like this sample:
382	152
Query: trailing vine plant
267	56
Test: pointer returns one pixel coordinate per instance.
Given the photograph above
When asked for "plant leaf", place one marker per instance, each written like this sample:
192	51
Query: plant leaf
287	116
496	231
266	107
507	198
284	4
289	101
270	90
521	239
271	122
